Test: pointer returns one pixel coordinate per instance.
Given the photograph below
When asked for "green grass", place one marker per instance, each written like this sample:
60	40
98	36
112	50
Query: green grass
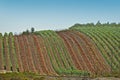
1	53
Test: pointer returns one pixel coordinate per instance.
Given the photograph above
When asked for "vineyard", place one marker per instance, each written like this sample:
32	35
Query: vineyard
78	51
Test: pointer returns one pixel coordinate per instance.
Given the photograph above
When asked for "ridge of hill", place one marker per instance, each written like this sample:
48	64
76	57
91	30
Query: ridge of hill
78	51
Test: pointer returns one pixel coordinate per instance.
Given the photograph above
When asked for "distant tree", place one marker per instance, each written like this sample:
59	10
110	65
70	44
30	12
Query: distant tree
23	32
27	31
89	24
32	30
98	23
107	23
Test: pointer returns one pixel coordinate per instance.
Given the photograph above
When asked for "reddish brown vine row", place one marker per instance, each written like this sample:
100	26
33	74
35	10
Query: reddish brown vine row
23	54
92	48
82	46
71	51
87	50
34	54
17	51
29	55
50	53
40	54
36	58
82	53
79	56
46	57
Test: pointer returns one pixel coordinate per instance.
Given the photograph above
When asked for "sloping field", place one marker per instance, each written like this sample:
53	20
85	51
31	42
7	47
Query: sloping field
107	40
88	55
79	51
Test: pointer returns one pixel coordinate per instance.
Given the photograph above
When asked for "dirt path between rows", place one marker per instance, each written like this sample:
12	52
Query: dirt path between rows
107	78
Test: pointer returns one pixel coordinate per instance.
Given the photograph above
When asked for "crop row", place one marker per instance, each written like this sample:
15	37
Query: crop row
84	52
45	54
107	41
58	53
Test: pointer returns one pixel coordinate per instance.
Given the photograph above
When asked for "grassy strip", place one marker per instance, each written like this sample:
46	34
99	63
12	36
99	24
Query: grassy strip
12	52
2	63
7	59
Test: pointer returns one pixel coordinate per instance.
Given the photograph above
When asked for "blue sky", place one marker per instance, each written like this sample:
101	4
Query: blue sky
19	15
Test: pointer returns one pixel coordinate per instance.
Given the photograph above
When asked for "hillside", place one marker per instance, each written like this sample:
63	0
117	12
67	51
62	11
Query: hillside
78	51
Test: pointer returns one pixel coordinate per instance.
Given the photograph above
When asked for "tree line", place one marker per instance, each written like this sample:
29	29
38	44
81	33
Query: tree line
98	24
28	32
